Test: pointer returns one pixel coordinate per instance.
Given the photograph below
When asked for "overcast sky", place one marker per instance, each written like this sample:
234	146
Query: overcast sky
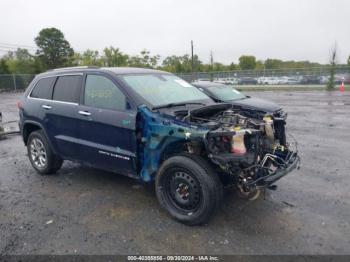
284	29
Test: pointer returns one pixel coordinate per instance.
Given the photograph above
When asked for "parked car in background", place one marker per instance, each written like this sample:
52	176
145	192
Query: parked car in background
282	80
247	81
324	79
268	80
342	78
310	80
227	81
252	107
293	80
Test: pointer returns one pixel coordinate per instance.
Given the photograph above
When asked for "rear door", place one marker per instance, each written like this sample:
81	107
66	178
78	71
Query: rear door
61	115
107	126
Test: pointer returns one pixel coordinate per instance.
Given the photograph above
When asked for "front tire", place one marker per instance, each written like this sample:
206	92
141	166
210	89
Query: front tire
40	154
189	189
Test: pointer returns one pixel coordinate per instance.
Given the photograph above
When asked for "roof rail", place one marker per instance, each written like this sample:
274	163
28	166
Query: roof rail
74	67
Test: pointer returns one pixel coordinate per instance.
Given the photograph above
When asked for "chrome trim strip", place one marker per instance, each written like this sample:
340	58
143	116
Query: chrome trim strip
54	101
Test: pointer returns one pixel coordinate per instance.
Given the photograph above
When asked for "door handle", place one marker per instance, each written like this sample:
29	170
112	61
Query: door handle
84	113
46	106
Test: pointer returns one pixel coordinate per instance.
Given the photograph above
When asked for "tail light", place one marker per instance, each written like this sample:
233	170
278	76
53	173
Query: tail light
19	104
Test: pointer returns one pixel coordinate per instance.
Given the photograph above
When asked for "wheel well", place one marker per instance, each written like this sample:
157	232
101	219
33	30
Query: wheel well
194	150
180	147
28	129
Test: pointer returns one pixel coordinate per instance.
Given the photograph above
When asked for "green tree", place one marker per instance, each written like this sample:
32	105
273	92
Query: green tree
349	60
144	59
232	67
4	69
273	63
172	64
149	60
260	65
88	58
247	62
6	82
53	49
91	57
218	67
114	57
183	64
21	62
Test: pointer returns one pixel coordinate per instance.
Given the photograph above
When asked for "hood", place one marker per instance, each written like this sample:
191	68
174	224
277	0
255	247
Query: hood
185	109
257	104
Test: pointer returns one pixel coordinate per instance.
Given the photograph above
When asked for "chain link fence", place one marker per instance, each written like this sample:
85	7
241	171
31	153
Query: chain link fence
15	82
300	76
297	76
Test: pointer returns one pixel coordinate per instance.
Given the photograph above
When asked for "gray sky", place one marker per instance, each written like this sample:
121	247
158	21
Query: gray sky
285	29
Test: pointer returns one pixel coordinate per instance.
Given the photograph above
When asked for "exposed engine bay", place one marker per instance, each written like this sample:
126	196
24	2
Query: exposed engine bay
247	153
253	152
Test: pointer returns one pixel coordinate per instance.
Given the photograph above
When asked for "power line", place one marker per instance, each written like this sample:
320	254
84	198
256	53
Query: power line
14	46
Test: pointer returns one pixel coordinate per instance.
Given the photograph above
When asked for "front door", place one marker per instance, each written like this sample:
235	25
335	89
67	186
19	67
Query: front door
106	126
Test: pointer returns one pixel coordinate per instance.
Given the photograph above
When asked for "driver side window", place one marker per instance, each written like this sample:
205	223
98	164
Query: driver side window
101	92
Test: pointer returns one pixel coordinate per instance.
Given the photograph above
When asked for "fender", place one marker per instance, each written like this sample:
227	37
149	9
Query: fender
42	128
158	133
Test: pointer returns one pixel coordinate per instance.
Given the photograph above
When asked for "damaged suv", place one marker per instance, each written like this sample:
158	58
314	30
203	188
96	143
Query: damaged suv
152	126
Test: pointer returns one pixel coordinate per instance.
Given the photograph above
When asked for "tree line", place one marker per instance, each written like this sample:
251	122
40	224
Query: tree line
54	51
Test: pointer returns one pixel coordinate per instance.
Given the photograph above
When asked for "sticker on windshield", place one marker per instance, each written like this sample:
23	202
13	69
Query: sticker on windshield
234	90
182	82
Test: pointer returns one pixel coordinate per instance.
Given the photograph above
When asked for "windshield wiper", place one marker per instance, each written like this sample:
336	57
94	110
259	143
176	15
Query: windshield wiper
177	104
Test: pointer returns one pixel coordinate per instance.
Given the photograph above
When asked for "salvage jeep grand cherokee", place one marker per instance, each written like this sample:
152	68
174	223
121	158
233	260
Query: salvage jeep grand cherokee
152	126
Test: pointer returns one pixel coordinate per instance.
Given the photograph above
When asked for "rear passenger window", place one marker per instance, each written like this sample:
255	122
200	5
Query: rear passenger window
43	88
67	89
101	92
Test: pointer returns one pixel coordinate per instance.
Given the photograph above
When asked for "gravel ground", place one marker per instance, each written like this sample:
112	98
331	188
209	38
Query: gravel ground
86	211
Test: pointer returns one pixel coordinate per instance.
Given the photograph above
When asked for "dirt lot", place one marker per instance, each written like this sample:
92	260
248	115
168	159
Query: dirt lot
86	211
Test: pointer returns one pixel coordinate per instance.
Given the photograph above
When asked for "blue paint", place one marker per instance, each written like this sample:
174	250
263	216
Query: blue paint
159	132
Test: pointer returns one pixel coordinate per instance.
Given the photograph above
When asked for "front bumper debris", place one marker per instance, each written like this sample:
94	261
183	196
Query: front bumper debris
292	164
268	176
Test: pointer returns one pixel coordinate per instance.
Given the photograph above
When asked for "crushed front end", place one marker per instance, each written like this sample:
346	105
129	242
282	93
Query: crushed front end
252	152
246	152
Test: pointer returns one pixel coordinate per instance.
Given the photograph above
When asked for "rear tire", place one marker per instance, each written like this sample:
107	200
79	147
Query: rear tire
41	155
189	189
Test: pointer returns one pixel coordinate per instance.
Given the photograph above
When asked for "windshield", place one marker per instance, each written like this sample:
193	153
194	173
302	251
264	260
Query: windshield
161	89
226	93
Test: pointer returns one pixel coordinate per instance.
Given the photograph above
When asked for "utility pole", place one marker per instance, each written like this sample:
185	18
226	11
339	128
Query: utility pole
211	66
192	60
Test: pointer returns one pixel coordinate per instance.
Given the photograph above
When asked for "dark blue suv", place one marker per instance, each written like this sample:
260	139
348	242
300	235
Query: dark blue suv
152	126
